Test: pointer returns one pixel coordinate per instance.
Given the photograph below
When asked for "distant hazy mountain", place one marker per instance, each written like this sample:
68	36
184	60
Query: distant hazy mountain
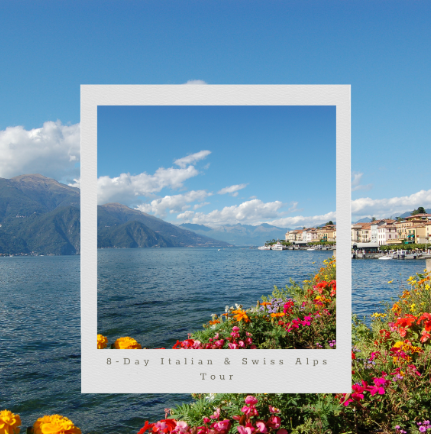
121	226
240	235
409	213
405	214
363	220
38	214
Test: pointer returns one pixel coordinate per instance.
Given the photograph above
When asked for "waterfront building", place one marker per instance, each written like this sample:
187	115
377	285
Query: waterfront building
387	234
355	232
428	232
311	235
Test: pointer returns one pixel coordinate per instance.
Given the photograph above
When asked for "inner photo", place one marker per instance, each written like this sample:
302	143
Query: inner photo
216	227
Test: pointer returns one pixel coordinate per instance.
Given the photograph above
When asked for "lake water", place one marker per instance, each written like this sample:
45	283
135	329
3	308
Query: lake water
154	295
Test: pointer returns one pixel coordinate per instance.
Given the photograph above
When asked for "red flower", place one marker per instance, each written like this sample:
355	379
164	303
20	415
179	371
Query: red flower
146	427
426	318
407	321
164	425
274	422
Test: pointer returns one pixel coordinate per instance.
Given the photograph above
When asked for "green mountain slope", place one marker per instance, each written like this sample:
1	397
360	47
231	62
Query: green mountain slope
41	216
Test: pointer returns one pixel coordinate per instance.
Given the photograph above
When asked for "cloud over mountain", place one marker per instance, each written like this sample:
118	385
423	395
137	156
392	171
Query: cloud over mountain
126	188
52	150
177	203
250	212
392	206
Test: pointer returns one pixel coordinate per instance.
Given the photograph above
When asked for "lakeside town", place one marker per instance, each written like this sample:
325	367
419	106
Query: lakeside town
375	238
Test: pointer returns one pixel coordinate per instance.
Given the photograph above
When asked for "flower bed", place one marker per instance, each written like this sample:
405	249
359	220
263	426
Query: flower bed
295	317
391	366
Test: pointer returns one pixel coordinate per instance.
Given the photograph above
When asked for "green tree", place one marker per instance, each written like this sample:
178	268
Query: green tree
420	210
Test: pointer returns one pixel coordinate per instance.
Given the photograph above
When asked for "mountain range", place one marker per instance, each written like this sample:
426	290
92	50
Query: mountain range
403	215
40	215
240	235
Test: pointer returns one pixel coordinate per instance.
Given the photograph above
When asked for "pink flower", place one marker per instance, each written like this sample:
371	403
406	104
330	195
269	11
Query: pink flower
241	344
181	427
249	341
260	425
235	329
273	409
245	430
250	411
216	414
250	399
274	422
374	355
232	346
206	419
379	386
222	426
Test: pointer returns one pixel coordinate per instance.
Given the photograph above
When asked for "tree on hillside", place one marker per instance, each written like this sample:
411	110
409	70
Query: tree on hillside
373	219
329	223
420	210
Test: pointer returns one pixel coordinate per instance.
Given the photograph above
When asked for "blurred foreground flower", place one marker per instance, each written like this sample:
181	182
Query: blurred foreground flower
127	344
55	424
102	342
9	422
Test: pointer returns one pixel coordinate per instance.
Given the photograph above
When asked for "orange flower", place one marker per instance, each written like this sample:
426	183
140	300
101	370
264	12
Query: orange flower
276	315
216	321
240	315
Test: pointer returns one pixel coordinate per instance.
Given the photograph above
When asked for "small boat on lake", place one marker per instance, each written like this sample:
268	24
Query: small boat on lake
278	246
264	248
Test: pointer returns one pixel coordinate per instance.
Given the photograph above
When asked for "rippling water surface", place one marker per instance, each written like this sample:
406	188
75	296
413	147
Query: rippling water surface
154	295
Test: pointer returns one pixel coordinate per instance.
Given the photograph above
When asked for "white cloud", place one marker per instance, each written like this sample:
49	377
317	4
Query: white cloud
289	222
200	205
76	183
356	182
294	207
52	151
126	188
366	207
176	203
250	212
196	82
191	159
232	190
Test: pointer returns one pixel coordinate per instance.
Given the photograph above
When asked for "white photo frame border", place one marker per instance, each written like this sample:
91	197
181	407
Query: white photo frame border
118	376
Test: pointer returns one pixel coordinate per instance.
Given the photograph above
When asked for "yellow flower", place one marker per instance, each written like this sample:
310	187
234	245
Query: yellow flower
9	422
102	341
55	424
127	344
413	307
427	287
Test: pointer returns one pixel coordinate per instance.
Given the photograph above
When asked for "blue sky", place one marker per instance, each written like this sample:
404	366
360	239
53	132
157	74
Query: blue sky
219	165
381	48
